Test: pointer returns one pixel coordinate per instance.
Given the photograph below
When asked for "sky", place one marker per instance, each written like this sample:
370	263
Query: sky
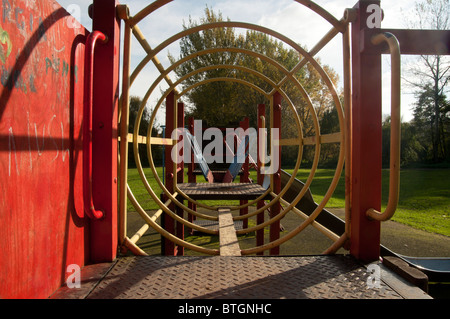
284	16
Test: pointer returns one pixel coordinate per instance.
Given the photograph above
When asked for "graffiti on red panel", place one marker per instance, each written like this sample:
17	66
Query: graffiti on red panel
6	47
41	95
21	28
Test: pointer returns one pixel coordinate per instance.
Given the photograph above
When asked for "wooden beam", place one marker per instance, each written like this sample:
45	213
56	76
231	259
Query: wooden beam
229	245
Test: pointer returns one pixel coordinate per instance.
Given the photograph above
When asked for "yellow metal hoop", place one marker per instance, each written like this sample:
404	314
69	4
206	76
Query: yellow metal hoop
338	25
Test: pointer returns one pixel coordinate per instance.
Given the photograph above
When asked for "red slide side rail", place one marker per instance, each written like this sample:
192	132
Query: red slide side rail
89	207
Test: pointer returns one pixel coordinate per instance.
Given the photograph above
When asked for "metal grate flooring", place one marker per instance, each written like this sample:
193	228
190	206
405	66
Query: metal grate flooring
310	277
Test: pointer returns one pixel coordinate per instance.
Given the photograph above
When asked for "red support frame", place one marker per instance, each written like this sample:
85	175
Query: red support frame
180	178
276	208
366	141
104	237
260	177
168	247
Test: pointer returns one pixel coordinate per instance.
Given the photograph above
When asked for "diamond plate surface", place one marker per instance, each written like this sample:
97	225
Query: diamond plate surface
314	277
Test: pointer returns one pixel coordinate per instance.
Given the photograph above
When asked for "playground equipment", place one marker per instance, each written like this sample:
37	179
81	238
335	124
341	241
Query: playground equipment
66	192
175	119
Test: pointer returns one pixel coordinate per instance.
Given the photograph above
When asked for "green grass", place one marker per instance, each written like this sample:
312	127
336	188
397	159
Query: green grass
424	201
424	195
137	187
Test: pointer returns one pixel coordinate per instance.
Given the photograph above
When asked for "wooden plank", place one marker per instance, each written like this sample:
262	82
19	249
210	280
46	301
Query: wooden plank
224	191
323	139
229	245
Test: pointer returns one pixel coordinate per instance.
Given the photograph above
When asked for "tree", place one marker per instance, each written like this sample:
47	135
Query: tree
226	103
411	149
431	77
432	112
212	96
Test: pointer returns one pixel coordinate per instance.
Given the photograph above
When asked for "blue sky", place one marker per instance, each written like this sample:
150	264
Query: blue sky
285	16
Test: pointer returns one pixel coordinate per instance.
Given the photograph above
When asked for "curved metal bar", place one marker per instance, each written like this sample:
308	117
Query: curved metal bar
167	92
231	24
309	220
307	3
339	107
394	171
149	154
309	181
286	40
167	234
224	79
337	245
89	207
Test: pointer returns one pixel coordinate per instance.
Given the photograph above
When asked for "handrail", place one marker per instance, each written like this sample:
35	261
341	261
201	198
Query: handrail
394	172
87	125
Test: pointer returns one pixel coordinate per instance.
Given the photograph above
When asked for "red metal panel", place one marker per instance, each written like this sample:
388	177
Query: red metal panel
366	143
43	227
180	178
105	131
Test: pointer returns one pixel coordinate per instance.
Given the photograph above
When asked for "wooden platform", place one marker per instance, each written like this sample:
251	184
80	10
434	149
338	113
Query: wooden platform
222	191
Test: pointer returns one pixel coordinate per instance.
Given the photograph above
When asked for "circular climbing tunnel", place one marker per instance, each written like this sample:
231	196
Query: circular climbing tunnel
268	192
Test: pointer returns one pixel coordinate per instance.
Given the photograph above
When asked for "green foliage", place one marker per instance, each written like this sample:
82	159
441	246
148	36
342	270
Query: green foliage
432	119
225	103
426	139
424	195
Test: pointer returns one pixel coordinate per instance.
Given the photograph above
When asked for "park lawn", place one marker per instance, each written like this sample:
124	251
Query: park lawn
424	195
424	201
140	192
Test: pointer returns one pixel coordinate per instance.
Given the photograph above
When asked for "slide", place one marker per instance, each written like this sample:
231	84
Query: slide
437	269
307	204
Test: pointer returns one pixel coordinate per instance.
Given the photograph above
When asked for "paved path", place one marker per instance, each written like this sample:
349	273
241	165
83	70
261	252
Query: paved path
409	241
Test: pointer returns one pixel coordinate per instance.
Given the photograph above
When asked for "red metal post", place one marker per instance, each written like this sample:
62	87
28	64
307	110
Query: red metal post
366	141
180	176
105	131
275	209
245	177
260	177
168	222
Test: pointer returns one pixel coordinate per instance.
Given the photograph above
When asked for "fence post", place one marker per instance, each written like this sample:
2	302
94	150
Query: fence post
366	139
104	236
